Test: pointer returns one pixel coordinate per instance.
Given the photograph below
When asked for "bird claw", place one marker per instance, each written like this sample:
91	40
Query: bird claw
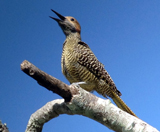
78	83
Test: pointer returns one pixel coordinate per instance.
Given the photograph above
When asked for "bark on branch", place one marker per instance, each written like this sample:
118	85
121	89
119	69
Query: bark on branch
78	101
47	81
3	127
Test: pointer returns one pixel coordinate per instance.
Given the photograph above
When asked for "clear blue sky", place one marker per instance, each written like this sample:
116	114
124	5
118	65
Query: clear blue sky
124	35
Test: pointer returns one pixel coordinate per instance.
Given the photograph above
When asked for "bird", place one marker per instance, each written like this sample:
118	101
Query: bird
80	65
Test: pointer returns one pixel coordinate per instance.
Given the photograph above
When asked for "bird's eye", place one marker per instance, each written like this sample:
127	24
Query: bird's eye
72	19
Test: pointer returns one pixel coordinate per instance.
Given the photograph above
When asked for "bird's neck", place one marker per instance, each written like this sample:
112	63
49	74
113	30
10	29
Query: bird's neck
74	36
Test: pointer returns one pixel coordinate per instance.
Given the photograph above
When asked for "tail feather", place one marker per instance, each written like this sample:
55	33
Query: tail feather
120	103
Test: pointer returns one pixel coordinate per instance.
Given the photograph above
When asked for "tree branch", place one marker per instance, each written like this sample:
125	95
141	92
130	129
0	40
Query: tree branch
3	127
79	101
47	81
47	112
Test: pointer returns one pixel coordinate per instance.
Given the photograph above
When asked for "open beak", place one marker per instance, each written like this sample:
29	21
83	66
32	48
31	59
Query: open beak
62	18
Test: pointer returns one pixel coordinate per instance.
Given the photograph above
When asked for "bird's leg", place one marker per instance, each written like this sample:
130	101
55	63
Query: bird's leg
78	83
85	85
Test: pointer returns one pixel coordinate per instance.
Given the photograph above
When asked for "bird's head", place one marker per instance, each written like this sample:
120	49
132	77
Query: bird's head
68	24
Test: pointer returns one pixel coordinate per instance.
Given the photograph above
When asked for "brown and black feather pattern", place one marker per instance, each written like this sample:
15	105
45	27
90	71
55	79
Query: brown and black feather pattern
89	60
79	64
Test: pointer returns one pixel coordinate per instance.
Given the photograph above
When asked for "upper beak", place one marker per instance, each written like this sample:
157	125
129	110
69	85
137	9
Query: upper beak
59	15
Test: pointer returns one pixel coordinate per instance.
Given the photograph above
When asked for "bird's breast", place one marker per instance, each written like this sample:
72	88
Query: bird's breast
68	64
74	72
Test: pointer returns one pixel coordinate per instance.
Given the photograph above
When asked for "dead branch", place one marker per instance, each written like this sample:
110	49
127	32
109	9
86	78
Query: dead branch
3	127
47	81
79	101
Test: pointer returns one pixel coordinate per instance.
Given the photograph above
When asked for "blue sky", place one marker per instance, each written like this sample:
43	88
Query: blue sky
124	35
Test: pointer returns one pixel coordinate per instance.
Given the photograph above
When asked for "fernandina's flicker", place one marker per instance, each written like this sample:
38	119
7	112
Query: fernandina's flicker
80	65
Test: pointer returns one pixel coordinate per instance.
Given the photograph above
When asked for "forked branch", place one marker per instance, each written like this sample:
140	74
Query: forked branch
78	101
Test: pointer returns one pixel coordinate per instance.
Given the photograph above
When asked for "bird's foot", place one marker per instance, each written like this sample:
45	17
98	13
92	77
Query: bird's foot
78	83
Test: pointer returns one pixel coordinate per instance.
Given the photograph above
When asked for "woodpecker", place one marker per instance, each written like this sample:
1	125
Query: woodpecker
80	65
